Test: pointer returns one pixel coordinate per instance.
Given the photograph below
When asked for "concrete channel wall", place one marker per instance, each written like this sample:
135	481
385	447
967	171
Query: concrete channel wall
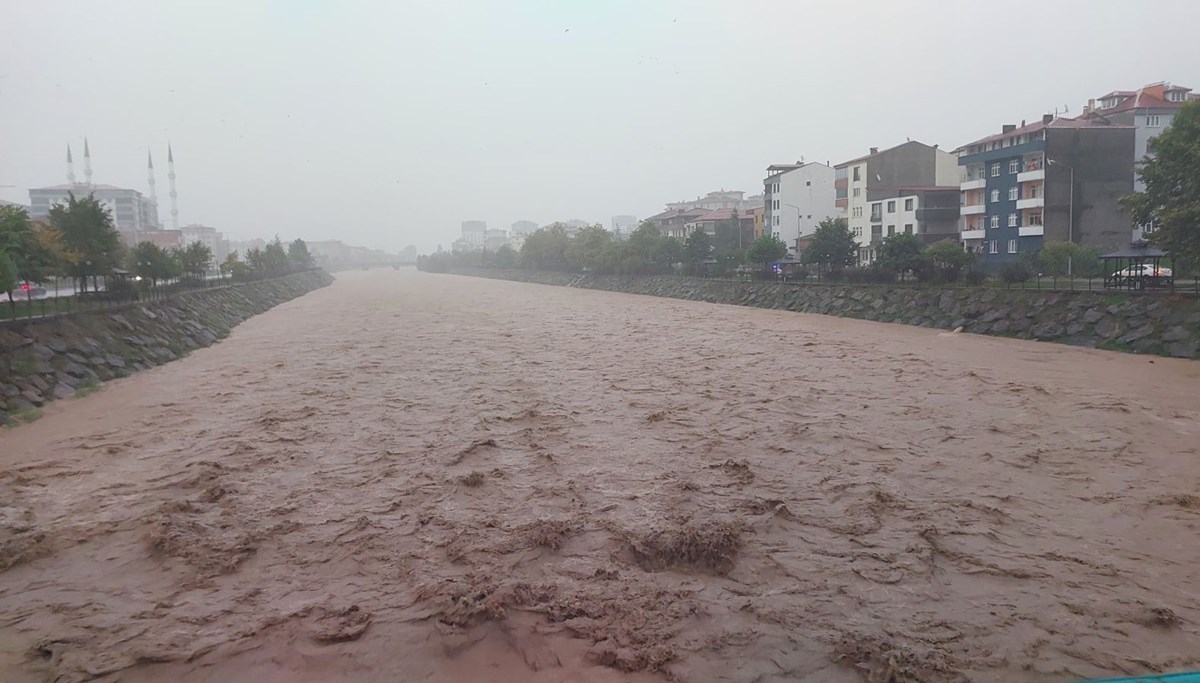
44	360
1160	324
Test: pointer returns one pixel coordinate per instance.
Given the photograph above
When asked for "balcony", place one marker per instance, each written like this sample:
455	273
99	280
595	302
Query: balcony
973	234
972	210
1027	176
1031	203
976	184
1031	230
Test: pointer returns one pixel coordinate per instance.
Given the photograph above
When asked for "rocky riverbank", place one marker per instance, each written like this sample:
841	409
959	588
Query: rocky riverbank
45	360
1154	324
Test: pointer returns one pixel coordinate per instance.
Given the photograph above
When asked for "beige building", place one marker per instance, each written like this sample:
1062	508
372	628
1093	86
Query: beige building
911	164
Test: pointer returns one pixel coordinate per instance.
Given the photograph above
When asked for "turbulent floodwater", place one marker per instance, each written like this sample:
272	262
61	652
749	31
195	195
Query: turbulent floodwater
410	477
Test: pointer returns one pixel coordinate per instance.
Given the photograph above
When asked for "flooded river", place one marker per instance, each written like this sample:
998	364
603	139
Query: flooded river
411	477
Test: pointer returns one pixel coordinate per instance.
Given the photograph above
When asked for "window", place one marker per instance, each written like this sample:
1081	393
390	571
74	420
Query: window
858	192
1035	218
891	230
994	247
892	207
995	221
908	228
908	204
995	170
775	221
856	176
995	195
1153	121
1176	96
1013	193
1014	166
1012	220
1012	246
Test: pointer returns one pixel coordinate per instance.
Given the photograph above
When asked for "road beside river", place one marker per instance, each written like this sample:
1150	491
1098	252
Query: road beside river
407	476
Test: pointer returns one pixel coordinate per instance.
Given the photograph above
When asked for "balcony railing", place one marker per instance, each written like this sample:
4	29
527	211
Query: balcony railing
1035	174
973	184
972	209
973	234
1031	203
1031	230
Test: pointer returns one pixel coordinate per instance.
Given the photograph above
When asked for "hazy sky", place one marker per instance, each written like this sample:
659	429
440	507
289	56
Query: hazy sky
388	123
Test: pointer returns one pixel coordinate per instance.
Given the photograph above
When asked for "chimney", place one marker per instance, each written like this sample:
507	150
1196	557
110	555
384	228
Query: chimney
1047	118
1008	128
874	150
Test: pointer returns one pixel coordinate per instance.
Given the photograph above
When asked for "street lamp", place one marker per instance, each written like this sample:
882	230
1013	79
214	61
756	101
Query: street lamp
1070	213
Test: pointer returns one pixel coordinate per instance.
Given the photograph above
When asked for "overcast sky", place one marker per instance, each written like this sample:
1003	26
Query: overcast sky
389	123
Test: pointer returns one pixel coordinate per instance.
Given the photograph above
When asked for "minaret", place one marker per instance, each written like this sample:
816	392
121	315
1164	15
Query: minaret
150	182
150	178
171	182
70	166
87	163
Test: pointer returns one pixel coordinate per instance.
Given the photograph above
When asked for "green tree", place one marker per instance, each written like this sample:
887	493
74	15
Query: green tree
696	249
900	253
234	268
506	257
8	278
275	259
765	250
832	245
944	261
1171	200
152	263
546	249
87	231
256	262
298	254
35	249
586	250
194	259
1056	258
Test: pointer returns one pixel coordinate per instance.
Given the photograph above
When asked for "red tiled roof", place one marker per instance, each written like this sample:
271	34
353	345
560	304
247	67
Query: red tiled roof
1148	97
1038	125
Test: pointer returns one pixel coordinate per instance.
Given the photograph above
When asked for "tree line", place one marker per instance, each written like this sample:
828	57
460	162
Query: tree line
78	240
644	252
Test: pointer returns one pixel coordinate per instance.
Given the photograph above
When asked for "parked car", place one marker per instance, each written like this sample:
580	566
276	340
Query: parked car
1143	270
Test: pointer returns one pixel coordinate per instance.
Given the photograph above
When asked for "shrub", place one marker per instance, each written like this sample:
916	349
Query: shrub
975	277
1015	272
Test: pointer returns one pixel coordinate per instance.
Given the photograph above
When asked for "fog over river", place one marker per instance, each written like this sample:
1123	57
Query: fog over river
416	477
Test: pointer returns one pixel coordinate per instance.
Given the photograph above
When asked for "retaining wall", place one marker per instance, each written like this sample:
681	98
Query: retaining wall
44	360
1140	323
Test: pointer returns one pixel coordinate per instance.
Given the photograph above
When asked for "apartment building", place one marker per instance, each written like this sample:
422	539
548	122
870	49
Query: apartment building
931	213
911	164
1055	179
797	197
1149	109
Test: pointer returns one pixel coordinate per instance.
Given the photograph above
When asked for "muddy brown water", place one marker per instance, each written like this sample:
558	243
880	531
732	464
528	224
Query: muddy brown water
413	477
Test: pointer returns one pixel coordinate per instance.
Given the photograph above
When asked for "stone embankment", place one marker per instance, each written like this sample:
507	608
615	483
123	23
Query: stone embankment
1160	324
44	360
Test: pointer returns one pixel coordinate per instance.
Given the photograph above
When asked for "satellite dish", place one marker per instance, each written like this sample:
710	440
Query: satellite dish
878	177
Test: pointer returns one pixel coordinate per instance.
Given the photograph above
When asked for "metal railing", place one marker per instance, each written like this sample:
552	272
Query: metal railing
107	294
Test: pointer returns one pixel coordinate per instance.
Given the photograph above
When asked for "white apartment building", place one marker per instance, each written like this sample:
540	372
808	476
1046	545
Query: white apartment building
796	198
